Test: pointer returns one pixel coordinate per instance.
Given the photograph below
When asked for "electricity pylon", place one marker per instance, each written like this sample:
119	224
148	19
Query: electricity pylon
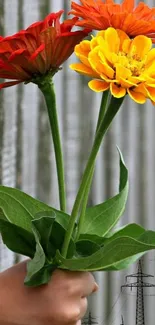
89	320
122	323
139	284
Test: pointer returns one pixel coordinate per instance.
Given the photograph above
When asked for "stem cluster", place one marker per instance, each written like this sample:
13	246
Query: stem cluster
106	115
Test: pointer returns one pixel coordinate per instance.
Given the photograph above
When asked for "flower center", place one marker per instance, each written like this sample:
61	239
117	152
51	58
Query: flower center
132	62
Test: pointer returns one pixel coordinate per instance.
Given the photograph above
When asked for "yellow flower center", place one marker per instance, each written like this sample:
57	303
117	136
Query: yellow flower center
132	62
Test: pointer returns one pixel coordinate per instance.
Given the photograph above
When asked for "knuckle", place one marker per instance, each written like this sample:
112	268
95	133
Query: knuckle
72	315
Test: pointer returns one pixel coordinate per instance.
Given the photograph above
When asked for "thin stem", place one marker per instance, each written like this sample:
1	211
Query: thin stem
103	108
113	108
47	88
102	112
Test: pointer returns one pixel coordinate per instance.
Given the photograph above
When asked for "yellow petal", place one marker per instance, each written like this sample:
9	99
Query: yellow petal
82	50
126	83
150	57
98	63
101	33
140	46
117	91
150	71
122	72
103	47
98	85
126	45
94	42
137	80
137	97
83	69
123	37
112	39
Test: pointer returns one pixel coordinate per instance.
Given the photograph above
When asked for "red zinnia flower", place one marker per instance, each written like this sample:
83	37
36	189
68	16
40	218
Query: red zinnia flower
39	50
100	14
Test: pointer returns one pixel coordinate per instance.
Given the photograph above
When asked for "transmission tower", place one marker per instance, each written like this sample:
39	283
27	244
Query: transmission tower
89	320
139	284
122	322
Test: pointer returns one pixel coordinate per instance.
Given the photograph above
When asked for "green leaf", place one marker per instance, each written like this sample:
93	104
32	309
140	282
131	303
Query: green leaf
20	208
17	239
43	276
94	238
100	219
86	247
35	265
57	239
44	223
125	263
106	257
2	215
131	230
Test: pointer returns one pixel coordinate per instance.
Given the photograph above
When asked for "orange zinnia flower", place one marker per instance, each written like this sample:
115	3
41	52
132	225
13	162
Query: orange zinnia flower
39	50
100	14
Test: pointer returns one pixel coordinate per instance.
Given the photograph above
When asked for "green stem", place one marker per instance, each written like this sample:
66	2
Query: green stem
103	107
113	108
102	111
47	88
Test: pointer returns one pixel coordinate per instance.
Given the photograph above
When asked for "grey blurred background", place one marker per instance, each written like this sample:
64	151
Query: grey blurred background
27	158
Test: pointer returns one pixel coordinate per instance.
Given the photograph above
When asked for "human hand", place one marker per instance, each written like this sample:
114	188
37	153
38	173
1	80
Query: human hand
62	301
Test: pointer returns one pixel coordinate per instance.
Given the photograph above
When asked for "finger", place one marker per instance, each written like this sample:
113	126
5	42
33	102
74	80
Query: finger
79	322
89	285
83	307
95	287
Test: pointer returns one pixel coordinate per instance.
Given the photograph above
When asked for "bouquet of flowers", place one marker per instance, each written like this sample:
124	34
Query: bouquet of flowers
120	61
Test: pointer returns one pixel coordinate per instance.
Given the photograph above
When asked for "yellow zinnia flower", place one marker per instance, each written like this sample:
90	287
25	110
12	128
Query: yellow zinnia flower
118	63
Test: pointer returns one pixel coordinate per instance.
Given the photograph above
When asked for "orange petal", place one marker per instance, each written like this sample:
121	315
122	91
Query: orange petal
117	91
83	69
151	93
98	85
128	5
126	83
137	97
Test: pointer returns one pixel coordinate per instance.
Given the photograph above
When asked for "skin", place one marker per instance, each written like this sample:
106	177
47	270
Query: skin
62	301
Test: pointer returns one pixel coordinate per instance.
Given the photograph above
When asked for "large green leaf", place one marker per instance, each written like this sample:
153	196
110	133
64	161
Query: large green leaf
20	208
131	230
17	239
117	251
100	219
86	247
125	263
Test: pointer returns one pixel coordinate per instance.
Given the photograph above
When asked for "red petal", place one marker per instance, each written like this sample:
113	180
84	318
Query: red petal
9	84
37	52
16	54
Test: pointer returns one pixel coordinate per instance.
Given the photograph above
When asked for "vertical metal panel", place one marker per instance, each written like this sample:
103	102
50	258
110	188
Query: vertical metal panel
9	129
27	157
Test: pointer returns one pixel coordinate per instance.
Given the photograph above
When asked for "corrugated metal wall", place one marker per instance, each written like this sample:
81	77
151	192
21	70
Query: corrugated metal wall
29	164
